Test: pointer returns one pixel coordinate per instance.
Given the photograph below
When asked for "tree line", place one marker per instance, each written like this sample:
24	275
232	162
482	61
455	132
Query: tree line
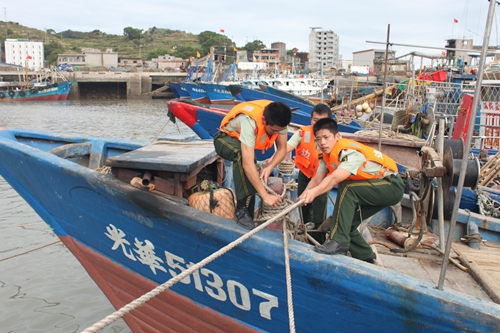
176	47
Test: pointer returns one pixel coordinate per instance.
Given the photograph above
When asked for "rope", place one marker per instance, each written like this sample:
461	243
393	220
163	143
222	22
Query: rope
104	169
25	252
182	143
161	288
286	168
156	137
265	212
291	315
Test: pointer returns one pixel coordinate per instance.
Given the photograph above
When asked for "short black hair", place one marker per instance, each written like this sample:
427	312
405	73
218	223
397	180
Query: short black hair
322	109
278	113
328	124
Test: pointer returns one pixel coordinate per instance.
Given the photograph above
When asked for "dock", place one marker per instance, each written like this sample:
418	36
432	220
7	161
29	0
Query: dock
112	84
482	279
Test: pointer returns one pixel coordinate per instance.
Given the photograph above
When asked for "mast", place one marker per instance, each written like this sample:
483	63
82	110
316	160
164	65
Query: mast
463	167
383	87
26	75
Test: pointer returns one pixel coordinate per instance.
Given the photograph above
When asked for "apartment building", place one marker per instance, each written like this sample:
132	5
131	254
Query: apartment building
22	51
323	49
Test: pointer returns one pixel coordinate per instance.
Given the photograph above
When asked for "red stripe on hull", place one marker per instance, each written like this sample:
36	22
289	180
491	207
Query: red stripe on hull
167	312
203	100
54	97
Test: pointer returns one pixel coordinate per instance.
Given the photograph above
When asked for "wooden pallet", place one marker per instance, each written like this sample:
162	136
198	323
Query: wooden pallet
490	172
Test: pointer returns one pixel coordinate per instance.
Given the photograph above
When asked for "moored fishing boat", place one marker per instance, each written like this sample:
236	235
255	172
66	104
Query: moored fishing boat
206	120
218	93
196	92
39	92
130	240
178	90
284	94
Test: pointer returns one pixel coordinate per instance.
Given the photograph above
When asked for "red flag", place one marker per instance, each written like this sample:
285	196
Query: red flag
28	57
443	53
455	20
222	30
277	55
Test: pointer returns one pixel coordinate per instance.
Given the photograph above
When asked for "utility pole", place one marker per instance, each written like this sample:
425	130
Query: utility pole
6	24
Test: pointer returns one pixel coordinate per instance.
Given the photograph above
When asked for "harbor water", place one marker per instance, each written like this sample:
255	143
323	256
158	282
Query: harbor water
47	290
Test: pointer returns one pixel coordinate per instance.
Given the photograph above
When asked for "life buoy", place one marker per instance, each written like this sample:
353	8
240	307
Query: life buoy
22	93
2	94
11	93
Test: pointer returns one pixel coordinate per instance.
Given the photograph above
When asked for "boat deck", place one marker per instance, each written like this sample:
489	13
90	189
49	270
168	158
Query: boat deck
482	280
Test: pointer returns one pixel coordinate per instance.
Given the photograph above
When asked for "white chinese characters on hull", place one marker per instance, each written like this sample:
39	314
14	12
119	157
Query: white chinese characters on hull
203	280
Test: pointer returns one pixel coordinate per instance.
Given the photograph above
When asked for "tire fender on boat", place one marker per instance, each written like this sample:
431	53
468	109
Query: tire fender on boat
11	93
2	94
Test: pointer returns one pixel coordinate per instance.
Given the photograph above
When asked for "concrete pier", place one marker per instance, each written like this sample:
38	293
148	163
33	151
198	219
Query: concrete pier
111	85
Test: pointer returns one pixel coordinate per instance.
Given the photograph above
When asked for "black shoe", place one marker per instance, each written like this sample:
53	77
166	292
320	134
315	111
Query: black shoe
332	247
243	218
371	259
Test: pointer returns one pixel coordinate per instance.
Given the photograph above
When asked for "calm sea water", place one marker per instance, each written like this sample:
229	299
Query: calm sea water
47	290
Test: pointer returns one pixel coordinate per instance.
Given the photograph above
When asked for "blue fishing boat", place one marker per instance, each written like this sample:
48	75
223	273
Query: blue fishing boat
244	94
218	93
196	92
36	92
281	93
131	238
207	119
178	90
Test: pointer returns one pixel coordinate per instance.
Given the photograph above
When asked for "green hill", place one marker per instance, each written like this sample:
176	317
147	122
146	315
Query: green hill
136	43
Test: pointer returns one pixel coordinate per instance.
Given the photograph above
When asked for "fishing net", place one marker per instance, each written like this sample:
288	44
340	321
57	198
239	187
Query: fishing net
487	205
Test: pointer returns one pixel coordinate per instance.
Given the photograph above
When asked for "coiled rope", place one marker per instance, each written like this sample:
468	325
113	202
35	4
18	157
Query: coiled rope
265	212
286	168
156	291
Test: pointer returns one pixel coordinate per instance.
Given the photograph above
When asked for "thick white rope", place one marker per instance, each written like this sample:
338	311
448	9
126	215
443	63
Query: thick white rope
161	288
291	316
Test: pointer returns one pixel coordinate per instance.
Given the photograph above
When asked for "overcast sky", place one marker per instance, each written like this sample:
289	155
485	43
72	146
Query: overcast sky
415	22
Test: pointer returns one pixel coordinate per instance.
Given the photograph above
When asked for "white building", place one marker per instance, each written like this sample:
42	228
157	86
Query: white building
22	50
323	48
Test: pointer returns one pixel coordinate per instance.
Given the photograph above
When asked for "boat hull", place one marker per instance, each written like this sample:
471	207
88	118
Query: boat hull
122	286
178	90
196	92
302	112
121	234
55	92
218	93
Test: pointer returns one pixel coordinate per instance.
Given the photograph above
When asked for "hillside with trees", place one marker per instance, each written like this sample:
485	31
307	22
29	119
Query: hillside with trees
134	42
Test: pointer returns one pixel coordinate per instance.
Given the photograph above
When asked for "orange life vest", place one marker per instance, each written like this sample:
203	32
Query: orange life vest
371	154
306	155
255	110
